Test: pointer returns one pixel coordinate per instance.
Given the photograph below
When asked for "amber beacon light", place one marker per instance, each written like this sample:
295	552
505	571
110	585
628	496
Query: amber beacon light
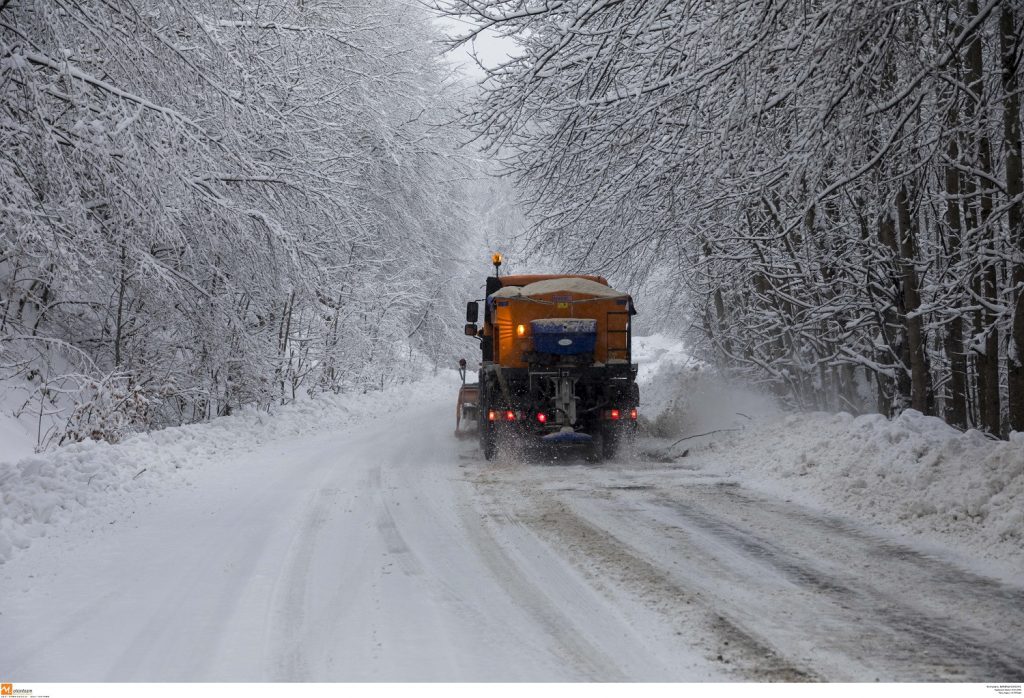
496	260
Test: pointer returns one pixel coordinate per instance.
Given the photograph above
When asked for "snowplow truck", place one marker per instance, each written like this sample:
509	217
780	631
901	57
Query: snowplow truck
556	364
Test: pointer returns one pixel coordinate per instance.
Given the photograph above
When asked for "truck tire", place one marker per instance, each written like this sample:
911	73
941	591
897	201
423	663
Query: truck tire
595	451
488	441
610	440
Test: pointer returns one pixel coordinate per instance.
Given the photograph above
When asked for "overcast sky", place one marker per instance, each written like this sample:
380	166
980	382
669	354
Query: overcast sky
490	48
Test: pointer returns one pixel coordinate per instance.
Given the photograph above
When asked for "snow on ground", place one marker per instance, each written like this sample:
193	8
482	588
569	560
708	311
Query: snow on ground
79	483
375	551
353	538
15	439
913	474
19	422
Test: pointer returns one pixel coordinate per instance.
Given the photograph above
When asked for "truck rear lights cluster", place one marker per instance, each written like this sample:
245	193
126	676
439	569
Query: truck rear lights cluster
616	414
501	416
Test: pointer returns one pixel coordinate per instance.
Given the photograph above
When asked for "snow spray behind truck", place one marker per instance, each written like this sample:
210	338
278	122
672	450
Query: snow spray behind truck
556	365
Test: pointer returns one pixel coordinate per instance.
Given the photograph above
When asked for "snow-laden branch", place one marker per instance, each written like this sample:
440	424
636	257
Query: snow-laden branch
66	68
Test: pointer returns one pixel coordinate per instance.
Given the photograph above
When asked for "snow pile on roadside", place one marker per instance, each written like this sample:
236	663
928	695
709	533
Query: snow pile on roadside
18	434
15	438
914	474
60	487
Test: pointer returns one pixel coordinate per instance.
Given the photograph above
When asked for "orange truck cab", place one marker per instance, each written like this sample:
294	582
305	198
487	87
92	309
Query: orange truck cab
556	363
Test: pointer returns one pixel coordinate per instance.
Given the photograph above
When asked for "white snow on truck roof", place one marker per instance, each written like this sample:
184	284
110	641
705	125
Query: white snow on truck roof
554	325
565	284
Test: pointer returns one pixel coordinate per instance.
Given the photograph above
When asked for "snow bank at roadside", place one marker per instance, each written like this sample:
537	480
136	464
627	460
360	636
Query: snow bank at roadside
62	486
15	439
18	433
914	474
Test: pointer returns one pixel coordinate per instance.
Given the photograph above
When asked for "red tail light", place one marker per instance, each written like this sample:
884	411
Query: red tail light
510	416
632	413
492	416
614	414
542	418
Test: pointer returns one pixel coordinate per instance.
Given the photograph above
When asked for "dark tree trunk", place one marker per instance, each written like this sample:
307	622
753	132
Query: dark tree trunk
956	353
986	283
120	311
916	341
898	388
1008	44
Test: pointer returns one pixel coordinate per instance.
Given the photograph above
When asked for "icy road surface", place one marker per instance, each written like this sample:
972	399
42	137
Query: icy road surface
393	552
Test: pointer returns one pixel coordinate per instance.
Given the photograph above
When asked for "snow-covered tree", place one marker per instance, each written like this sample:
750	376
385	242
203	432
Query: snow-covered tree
834	186
212	204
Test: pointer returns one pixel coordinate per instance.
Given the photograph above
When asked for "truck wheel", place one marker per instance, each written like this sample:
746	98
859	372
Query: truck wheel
488	441
610	441
595	451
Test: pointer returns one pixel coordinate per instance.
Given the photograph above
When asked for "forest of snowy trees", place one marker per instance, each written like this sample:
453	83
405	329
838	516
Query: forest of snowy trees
205	205
834	186
211	204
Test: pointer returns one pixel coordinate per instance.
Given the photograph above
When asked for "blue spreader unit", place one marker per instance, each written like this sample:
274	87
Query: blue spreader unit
564	335
567	437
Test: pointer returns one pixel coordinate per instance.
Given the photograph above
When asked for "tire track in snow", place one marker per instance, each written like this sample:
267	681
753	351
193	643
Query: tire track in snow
851	623
289	631
498	552
387	529
772	577
609	560
990	596
915	638
194	617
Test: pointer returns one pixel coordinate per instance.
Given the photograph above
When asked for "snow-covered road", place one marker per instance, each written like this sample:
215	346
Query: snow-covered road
391	551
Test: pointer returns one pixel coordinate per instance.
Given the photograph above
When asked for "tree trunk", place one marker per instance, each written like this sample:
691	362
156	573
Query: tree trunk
916	341
1008	44
956	410
956	353
986	283
894	391
120	311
